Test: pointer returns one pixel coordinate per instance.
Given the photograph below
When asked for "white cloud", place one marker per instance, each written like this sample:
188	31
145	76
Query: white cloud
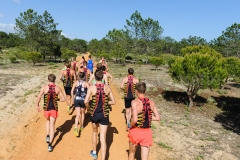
7	27
17	1
65	35
1	15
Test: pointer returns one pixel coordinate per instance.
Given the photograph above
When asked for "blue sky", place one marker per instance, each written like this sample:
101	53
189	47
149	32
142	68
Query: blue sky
88	19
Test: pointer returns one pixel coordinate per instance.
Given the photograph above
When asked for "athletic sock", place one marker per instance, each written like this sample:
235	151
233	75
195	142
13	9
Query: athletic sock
94	152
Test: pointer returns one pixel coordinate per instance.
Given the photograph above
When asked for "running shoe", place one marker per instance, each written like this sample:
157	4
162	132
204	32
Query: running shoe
94	156
76	132
48	139
68	109
81	129
129	125
50	148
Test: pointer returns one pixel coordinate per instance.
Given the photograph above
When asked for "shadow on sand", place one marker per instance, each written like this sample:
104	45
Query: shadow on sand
111	130
230	117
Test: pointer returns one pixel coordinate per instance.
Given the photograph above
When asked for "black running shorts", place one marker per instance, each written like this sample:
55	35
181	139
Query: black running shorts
99	119
68	90
127	102
79	103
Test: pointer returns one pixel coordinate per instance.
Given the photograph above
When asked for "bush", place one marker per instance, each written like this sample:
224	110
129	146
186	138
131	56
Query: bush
33	57
167	58
198	71
67	54
128	57
13	59
156	61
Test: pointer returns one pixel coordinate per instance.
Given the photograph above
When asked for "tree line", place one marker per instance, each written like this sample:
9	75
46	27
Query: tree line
192	61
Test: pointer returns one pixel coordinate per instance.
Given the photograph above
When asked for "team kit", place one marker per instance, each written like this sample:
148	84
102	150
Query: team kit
89	93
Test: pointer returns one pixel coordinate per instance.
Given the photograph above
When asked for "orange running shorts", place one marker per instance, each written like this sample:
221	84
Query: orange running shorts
142	136
51	113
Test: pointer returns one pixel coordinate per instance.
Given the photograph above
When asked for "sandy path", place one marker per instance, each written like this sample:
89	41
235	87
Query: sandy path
66	145
29	138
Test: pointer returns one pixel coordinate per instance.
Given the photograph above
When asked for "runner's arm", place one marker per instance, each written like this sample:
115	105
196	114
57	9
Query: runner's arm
155	116
62	97
73	87
86	100
105	79
122	84
39	98
112	99
110	77
134	113
90	79
74	76
61	74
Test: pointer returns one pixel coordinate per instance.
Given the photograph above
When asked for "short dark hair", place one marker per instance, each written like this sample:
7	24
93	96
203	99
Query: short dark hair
130	71
104	68
98	75
141	87
90	56
99	66
81	75
51	78
68	64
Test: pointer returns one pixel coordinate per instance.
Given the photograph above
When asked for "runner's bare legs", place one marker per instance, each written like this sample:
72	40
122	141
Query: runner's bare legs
132	150
103	133
52	128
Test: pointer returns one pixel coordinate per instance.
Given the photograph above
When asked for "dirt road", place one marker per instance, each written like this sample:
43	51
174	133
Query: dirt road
66	145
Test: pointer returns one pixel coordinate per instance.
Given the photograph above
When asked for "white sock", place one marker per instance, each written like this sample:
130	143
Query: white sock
94	152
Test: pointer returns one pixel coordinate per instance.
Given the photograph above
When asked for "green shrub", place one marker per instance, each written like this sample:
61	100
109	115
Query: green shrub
13	59
156	61
128	57
198	71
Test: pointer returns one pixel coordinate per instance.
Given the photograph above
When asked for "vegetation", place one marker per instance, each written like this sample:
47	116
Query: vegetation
198	70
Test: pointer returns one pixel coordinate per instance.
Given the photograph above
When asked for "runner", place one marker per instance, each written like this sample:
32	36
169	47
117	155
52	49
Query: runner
107	76
74	65
103	62
81	91
143	112
82	61
92	80
51	92
68	77
87	72
128	85
90	64
102	97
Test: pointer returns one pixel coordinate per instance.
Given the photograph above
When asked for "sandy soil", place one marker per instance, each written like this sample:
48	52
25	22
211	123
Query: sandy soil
23	133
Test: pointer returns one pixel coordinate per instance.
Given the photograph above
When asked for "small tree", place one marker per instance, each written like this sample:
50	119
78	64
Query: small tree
232	65
156	61
198	71
67	54
13	59
33	57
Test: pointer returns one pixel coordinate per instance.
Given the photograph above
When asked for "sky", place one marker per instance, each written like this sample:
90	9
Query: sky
89	19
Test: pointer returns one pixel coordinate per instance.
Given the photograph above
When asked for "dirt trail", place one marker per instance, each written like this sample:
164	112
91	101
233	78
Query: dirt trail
66	145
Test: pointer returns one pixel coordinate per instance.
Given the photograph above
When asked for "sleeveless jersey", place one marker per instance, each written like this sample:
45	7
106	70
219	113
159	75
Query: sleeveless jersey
80	91
50	99
100	102
87	76
74	66
90	64
68	79
129	88
144	117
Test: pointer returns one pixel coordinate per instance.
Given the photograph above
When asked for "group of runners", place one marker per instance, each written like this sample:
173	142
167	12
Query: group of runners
90	92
